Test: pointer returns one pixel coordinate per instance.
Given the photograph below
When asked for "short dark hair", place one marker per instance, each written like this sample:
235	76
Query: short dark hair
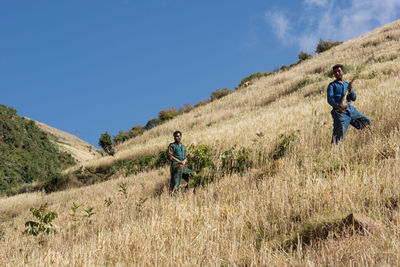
338	66
177	132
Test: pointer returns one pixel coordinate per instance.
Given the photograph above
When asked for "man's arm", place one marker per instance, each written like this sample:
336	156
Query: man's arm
171	154
331	97
351	96
187	156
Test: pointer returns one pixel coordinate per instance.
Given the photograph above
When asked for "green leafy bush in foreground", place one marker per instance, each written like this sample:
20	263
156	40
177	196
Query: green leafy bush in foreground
44	221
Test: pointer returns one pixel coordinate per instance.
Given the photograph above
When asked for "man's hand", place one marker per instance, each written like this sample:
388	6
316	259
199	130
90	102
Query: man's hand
180	166
342	107
183	162
349	87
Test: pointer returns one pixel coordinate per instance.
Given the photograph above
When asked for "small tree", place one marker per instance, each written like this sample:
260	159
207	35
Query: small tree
152	123
304	56
167	114
43	223
105	142
219	93
325	45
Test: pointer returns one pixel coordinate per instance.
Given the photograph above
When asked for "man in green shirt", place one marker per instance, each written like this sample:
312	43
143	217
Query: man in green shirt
177	153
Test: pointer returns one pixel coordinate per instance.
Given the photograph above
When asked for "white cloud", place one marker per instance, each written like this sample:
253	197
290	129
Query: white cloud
357	18
316	2
279	23
339	20
307	42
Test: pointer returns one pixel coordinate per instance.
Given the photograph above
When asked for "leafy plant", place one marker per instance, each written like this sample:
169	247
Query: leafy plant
202	164
108	202
325	45
219	93
43	223
123	189
253	76
283	143
89	212
200	158
304	56
236	160
74	209
2	235
105	142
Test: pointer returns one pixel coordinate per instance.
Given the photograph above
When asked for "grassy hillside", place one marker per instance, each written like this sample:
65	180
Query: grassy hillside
284	207
80	150
27	157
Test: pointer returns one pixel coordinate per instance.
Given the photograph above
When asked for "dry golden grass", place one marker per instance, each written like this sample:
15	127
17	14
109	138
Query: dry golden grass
255	219
80	150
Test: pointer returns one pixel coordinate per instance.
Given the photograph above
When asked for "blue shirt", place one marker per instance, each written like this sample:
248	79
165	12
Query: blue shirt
336	91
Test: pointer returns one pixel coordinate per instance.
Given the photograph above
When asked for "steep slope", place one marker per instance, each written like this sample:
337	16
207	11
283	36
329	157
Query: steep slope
285	209
26	154
79	149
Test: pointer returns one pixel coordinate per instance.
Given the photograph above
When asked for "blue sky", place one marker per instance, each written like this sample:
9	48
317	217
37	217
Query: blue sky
90	66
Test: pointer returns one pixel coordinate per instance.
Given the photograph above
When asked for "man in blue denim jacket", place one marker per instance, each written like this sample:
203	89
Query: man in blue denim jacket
343	113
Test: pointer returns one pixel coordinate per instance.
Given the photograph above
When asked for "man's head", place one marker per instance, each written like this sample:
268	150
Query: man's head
177	136
338	71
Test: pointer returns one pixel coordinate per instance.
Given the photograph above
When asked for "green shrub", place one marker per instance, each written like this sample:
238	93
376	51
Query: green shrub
44	223
325	45
202	165
253	76
106	143
219	93
304	56
236	160
120	137
167	114
200	158
162	159
282	145
152	123
304	82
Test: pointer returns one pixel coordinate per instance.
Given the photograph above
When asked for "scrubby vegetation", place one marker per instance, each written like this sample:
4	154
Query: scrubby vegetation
325	45
167	114
26	154
269	188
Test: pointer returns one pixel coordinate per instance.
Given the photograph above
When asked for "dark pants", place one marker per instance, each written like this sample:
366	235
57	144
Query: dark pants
177	176
342	120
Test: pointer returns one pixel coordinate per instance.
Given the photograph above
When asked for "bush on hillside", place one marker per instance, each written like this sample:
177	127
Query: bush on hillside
152	123
252	77
219	93
106	143
167	114
132	133
236	159
283	143
187	107
202	103
202	165
325	45
304	56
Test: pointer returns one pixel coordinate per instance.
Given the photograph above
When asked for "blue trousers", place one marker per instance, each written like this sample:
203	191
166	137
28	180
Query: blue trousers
342	120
